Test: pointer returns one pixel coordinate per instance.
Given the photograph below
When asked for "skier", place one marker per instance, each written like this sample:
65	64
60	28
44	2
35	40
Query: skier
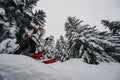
30	42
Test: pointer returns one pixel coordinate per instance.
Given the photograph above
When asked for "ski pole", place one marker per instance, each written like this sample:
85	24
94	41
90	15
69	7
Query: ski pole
14	50
45	43
21	46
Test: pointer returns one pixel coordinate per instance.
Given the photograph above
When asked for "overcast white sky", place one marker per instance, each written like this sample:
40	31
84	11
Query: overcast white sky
90	11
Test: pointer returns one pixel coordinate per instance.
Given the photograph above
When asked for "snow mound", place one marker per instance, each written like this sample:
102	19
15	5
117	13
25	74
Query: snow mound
18	67
78	70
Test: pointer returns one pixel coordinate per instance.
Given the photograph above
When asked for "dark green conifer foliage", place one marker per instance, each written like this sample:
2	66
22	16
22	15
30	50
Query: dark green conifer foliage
17	19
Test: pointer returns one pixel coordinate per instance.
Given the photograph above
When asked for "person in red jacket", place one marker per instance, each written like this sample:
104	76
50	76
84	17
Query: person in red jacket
30	42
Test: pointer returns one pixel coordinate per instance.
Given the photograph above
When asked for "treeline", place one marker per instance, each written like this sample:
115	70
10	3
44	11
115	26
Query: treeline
80	41
89	44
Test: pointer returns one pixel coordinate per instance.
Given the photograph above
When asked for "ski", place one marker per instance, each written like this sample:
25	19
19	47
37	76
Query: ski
50	61
40	54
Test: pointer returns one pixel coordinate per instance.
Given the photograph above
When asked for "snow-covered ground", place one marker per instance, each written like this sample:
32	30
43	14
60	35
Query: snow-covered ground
78	70
17	67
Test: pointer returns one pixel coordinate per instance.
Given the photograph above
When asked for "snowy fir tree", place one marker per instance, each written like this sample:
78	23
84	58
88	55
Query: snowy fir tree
114	37
89	44
60	42
113	26
16	18
60	48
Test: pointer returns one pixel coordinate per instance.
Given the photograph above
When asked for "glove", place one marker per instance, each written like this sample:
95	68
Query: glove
47	38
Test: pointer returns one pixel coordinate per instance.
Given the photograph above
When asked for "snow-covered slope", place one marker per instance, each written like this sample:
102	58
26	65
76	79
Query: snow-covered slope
78	70
18	67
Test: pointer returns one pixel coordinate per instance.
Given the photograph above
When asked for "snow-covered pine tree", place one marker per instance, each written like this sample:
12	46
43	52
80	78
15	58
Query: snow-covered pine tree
60	42
6	30
113	26
114	37
86	43
17	18
60	48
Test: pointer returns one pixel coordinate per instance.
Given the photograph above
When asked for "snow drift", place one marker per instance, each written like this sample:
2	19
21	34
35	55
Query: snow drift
78	70
18	67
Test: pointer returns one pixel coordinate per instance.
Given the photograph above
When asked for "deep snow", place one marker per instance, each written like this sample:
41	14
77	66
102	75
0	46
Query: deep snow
78	70
18	67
